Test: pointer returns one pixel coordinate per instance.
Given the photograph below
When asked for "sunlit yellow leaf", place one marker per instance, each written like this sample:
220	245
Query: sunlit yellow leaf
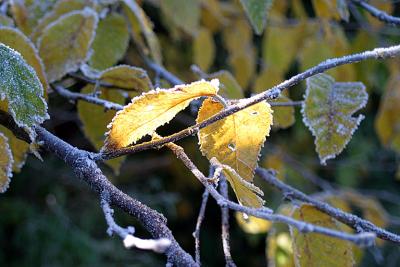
311	249
65	43
236	140
110	43
95	120
387	122
204	49
60	8
153	109
328	111
267	79
15	39
142	30
252	225
6	162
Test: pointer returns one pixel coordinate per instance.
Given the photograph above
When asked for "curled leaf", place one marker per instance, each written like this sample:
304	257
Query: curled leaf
151	110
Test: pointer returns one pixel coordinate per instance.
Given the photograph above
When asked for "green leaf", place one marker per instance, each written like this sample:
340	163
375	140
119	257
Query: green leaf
312	249
110	43
22	89
15	39
327	111
185	14
95	120
257	11
65	43
6	162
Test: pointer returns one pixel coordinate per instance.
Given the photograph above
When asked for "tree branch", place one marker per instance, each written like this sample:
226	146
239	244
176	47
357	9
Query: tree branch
349	219
200	218
86	169
377	53
377	13
361	239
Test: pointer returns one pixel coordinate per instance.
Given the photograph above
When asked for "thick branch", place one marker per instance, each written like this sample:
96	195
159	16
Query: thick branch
378	53
377	13
350	219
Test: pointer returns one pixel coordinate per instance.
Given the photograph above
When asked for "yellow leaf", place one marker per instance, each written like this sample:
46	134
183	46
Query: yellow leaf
211	15
252	225
387	122
19	149
60	8
111	41
65	43
95	120
283	116
311	249
244	66
153	109
128	78
142	30
6	162
204	49
275	161
237	139
267	79
15	39
326	9
229	87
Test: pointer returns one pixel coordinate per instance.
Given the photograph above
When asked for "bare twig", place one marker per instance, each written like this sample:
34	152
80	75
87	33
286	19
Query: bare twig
377	53
349	219
162	72
200	218
286	104
377	13
223	188
361	239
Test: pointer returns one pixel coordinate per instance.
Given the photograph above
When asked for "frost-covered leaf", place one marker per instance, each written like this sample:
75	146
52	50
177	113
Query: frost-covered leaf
252	225
247	193
185	14
60	8
229	87
151	110
142	30
65	43
312	249
387	123
283	116
19	149
204	49
27	13
127	78
257	11
95	120
15	39
6	162
21	88
110	43
237	139
327	111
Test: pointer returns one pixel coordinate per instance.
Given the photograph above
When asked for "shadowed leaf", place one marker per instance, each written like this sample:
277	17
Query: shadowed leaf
6	162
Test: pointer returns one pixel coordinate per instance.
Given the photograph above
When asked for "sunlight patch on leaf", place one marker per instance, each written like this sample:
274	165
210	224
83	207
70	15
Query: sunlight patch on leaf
151	110
327	111
65	43
6	162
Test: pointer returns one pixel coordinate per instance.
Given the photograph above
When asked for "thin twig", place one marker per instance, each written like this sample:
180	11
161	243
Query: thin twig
377	53
200	218
223	189
361	239
377	13
349	219
160	70
286	104
93	81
